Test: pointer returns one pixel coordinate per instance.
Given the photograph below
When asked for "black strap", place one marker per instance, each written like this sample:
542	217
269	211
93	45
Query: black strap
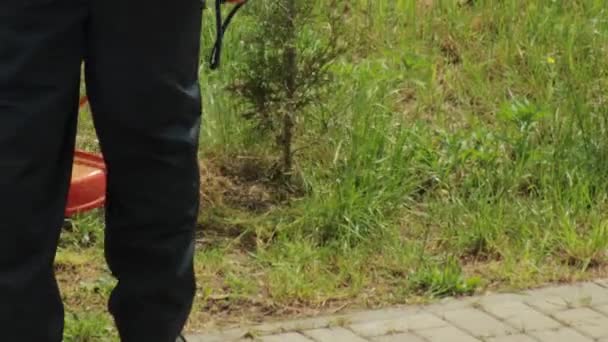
221	27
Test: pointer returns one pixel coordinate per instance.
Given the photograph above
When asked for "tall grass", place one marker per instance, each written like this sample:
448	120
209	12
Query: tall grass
489	116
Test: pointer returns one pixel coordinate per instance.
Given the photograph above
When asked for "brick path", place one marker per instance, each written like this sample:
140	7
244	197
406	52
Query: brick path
574	313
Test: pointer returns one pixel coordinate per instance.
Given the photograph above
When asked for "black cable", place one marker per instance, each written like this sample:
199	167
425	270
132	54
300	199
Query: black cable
221	26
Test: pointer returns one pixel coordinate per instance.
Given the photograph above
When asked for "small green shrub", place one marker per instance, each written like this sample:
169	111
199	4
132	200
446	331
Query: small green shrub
286	66
443	280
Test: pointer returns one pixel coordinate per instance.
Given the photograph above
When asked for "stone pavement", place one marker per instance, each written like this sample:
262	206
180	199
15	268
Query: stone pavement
573	313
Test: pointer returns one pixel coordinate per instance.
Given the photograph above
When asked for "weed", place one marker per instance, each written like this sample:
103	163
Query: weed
442	280
83	231
91	327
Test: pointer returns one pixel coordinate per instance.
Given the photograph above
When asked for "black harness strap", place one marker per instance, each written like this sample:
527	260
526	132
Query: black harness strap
221	27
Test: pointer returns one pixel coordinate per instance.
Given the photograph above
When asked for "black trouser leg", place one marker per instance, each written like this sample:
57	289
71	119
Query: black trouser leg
142	77
41	44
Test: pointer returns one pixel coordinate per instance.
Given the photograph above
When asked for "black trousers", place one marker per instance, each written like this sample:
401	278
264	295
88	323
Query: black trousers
141	59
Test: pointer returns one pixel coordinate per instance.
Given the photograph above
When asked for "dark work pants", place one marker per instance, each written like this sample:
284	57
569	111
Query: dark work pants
141	59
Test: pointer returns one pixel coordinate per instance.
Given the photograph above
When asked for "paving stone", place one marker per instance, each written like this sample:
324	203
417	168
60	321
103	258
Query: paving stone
384	327
336	320
403	337
425	321
333	335
288	337
536	315
224	336
478	323
602	308
602	282
512	338
501	298
449	333
384	314
560	335
295	325
585	320
517	314
450	304
558	298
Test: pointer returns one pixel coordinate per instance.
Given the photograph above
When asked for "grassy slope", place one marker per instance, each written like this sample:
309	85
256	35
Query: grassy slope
464	150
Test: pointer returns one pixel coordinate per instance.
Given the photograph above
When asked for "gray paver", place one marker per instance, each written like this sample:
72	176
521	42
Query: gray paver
403	337
602	308
414	322
333	335
287	337
501	298
602	282
560	335
389	313
517	314
224	336
335	320
450	304
478	323
558	298
295	325
585	320
444	334
573	313
512	338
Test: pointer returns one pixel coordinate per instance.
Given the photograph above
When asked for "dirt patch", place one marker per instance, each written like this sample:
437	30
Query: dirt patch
450	50
83	281
236	192
246	183
426	5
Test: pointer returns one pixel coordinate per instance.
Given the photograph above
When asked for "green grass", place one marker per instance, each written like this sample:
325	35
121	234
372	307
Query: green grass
94	327
465	148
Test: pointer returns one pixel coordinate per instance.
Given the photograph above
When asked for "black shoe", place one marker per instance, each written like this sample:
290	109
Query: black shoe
181	338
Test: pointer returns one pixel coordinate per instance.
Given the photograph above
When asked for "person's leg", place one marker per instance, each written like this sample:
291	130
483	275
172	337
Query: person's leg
41	43
142	79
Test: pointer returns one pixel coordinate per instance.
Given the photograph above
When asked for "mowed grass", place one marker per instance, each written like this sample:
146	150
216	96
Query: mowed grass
465	149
